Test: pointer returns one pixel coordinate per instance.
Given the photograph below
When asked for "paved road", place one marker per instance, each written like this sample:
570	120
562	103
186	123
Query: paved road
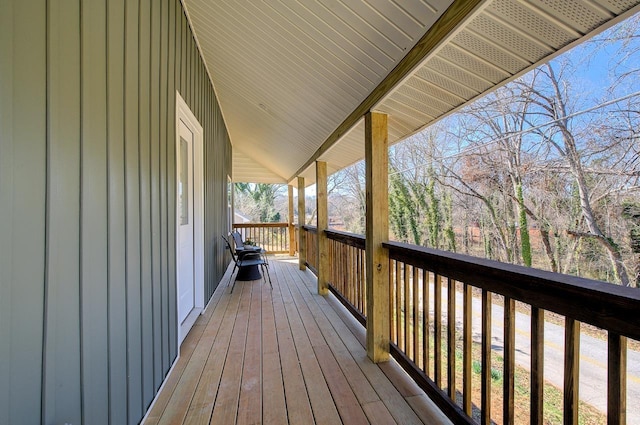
593	359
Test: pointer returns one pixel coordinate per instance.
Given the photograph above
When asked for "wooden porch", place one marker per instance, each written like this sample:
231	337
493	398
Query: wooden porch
286	355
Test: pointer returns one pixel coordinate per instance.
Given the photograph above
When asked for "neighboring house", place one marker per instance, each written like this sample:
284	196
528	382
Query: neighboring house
239	218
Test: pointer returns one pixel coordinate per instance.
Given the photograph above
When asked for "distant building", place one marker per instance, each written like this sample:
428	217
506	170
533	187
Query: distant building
239	218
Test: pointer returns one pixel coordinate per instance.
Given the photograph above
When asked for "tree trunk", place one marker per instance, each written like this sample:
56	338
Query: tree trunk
544	234
558	105
525	242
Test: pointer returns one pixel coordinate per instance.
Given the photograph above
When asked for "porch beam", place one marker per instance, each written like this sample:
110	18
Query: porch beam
459	11
290	222
377	232
323	224
302	241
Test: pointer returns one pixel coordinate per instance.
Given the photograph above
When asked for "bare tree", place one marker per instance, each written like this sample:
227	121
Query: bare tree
551	95
347	196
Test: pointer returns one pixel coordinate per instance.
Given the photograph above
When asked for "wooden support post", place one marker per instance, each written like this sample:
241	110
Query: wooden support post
323	224
377	232
231	189
302	241
291	232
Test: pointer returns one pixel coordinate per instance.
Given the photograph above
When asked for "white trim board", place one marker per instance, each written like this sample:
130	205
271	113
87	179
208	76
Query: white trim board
184	114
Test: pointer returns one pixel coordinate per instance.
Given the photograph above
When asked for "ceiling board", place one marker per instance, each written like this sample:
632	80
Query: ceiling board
292	76
288	72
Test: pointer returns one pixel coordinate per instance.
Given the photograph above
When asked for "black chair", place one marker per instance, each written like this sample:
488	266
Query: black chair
248	259
237	239
242	248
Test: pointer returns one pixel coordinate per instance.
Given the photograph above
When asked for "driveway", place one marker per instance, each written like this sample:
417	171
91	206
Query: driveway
593	356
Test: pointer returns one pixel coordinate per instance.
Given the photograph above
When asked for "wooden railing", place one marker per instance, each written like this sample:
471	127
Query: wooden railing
347	275
417	271
312	247
273	237
433	294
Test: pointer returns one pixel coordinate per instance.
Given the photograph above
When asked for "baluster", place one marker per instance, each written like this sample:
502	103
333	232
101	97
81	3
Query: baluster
347	271
354	274
437	330
571	370
334	262
342	266
485	418
363	299
466	348
349	283
425	321
407	310
416	322
451	339
398	305
537	366
617	380
363	280
508	396
358	280
392	313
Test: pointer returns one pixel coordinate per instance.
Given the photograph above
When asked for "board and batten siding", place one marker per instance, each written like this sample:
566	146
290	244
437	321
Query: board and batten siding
88	314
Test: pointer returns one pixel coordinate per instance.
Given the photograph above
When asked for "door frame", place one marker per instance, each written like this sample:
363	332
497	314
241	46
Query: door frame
184	114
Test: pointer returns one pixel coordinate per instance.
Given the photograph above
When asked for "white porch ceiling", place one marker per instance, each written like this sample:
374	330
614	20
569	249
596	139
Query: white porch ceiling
288	73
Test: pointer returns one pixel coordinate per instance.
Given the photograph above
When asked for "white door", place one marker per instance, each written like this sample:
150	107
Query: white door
185	218
190	299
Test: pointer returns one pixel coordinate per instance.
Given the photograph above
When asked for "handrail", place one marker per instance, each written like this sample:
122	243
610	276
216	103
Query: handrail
310	229
249	225
611	307
351	239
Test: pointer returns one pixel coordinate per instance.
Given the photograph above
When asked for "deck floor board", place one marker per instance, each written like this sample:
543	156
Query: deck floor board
283	355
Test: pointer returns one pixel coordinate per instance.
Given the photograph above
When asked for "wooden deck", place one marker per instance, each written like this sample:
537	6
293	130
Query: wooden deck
282	356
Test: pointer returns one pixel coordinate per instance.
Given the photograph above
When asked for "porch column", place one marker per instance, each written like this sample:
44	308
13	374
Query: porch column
291	233
302	240
377	232
231	192
323	224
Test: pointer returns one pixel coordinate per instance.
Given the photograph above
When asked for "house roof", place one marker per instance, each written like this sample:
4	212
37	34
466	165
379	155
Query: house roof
294	77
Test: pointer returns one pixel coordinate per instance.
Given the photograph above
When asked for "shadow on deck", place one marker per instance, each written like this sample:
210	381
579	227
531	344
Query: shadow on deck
284	356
